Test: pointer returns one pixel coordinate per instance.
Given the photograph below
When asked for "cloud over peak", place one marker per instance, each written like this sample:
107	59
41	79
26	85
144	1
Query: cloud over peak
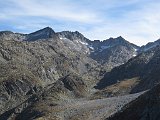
137	21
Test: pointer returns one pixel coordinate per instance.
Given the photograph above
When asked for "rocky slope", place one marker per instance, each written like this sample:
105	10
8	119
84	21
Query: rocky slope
28	66
113	52
145	107
47	75
75	109
138	74
150	45
109	53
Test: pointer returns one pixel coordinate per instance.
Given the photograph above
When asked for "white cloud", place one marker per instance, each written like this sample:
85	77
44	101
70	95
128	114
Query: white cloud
139	26
135	20
52	9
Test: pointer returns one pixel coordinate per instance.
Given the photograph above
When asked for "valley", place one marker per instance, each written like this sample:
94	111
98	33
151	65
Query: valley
48	75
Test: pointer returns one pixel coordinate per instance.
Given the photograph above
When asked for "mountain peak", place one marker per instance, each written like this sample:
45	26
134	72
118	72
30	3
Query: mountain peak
46	29
116	41
73	36
78	33
44	33
120	37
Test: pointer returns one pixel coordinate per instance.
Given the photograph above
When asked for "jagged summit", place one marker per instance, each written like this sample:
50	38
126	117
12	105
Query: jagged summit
44	33
110	52
46	29
49	75
150	45
111	42
73	36
115	40
119	40
106	51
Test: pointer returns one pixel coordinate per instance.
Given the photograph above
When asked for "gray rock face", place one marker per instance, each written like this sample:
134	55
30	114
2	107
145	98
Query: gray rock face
73	36
116	54
110	53
146	107
150	45
29	64
44	33
144	67
48	69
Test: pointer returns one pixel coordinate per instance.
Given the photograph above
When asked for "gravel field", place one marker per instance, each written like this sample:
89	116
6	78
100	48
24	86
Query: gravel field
91	109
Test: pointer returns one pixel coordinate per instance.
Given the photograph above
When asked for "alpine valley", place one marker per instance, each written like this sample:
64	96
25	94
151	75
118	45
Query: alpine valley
48	75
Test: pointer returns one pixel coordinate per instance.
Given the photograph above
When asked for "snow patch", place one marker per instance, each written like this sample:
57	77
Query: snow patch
76	41
105	47
134	55
84	43
135	49
91	47
62	38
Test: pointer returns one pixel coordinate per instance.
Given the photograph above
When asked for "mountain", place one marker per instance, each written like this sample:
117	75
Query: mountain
58	66
27	67
110	53
150	45
145	107
138	74
51	75
44	33
75	41
72	36
113	52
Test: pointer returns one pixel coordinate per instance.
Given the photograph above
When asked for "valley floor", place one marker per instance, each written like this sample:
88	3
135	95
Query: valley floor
89	109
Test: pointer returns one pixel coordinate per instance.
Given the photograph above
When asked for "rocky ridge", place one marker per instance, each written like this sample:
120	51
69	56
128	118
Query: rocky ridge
45	68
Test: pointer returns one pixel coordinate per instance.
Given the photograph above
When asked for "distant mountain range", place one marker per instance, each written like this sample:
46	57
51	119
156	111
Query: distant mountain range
111	52
50	69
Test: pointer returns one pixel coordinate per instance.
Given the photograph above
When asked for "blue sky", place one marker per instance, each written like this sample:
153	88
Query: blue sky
138	21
